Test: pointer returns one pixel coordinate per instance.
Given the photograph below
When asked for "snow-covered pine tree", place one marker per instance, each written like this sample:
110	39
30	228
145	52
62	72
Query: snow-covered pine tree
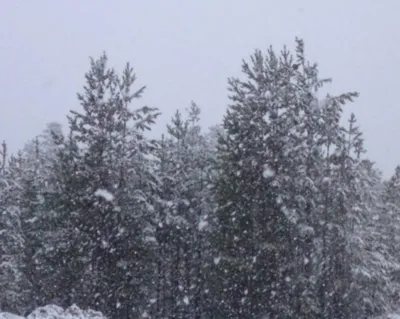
255	219
268	198
183	217
373	264
334	210
31	202
37	186
105	168
369	288
389	221
63	256
14	286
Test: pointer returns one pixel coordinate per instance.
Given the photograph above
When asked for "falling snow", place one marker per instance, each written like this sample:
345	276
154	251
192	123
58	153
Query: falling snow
217	260
268	172
202	224
105	194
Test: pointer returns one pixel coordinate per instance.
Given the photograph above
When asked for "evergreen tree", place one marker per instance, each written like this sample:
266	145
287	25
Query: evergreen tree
14	286
267	190
38	183
183	219
106	193
373	264
388	222
276	213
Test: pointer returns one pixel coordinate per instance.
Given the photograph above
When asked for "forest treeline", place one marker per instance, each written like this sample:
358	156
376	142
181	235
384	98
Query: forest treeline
275	213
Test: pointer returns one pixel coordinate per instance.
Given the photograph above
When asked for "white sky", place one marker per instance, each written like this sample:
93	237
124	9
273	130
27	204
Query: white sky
184	50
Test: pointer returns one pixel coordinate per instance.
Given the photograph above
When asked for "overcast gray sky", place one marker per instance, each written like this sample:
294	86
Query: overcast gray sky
184	50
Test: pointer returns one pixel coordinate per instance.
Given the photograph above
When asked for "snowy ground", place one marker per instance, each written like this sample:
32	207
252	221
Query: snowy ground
55	312
73	312
392	316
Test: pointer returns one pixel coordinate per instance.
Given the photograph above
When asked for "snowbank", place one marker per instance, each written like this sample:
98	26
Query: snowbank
7	315
74	312
391	316
55	312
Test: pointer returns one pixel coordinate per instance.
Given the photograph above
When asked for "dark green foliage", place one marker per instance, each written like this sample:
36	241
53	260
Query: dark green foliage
277	213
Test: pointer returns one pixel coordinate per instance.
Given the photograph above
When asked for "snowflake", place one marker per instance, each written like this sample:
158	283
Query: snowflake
268	172
186	300
202	224
104	194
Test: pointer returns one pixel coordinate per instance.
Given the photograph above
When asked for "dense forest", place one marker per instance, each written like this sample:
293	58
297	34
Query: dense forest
275	213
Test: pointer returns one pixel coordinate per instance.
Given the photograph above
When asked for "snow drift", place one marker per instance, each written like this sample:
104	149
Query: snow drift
55	312
74	312
389	316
